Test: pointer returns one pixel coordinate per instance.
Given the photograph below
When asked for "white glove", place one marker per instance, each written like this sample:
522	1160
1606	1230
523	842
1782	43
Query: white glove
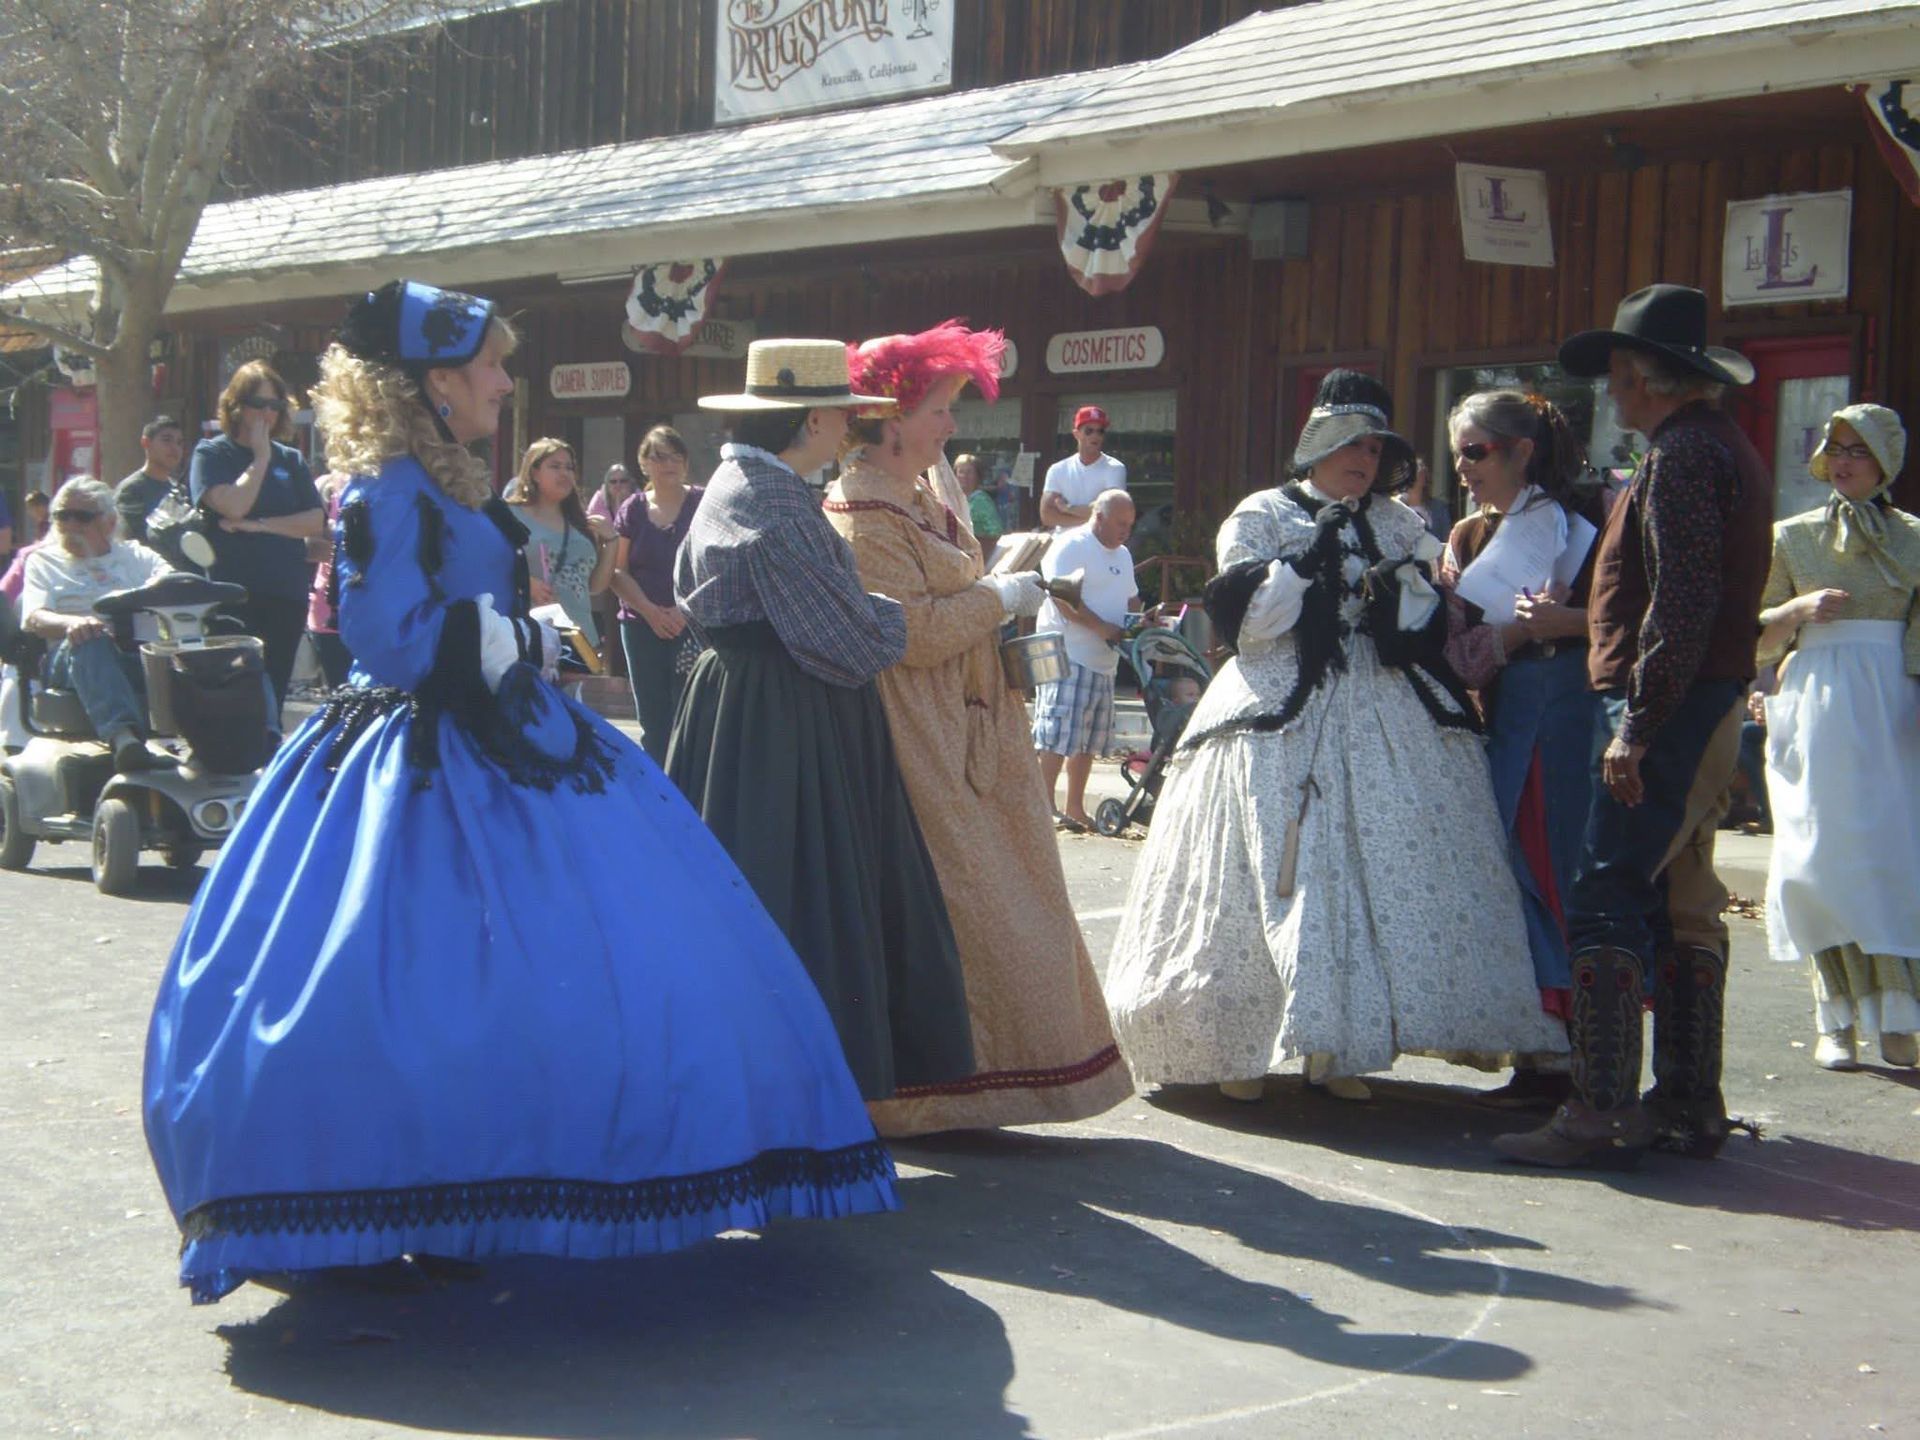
1020	594
505	643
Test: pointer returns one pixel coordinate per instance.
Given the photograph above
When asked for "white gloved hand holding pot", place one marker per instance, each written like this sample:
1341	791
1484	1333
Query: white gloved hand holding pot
1020	594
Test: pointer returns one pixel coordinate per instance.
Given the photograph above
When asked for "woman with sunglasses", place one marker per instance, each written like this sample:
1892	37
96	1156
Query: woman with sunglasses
261	493
1842	605
1526	663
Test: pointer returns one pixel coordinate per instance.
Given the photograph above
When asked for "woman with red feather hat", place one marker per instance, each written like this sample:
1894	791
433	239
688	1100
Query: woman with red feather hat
1041	1039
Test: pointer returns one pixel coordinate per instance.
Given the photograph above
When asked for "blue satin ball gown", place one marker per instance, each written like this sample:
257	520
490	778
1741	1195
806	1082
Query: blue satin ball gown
471	978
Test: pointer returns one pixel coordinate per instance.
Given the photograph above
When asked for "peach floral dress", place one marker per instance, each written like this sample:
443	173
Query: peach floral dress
1041	1036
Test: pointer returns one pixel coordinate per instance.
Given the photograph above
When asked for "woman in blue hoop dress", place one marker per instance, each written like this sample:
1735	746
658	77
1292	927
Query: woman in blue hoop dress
397	1022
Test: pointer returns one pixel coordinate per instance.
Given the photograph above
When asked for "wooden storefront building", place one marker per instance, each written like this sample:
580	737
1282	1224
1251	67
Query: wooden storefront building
1338	162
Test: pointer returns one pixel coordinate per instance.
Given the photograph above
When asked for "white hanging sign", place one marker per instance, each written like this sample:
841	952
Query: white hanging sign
1137	347
1503	215
590	380
1783	249
783	57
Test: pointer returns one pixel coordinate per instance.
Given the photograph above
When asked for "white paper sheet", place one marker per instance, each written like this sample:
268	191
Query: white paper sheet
1580	537
1520	558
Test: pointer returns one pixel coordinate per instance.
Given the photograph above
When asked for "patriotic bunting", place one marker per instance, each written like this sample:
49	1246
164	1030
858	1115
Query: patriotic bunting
1106	230
667	303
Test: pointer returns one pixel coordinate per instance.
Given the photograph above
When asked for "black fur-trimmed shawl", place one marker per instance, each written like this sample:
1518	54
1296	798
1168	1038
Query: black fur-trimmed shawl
1320	635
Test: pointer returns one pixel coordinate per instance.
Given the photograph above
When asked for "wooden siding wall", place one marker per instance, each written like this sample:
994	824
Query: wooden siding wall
575	73
1192	288
1385	276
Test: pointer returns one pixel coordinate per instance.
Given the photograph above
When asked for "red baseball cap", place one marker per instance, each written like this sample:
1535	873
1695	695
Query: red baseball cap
1089	415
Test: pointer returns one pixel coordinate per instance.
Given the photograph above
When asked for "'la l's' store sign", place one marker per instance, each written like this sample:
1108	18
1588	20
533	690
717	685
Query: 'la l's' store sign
1785	248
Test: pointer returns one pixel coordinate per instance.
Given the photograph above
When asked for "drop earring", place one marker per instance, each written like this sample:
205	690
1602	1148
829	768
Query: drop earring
443	409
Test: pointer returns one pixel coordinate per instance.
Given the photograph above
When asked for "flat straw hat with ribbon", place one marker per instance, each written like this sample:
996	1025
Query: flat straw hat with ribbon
794	375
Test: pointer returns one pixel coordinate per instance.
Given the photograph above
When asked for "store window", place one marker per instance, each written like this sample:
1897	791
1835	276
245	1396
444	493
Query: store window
1583	402
1140	436
990	431
1798	382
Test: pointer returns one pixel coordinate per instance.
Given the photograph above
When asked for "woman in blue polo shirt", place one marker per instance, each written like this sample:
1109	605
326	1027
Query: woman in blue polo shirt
262	494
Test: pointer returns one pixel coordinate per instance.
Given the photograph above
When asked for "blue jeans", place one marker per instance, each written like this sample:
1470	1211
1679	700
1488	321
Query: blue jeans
1620	895
1543	706
110	683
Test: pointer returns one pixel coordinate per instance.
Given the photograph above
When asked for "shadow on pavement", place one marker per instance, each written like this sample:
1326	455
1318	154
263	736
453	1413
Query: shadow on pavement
156	885
818	1329
1440	1127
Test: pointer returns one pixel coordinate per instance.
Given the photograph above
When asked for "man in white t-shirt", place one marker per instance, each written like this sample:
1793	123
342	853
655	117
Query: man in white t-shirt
1066	499
1073	718
81	562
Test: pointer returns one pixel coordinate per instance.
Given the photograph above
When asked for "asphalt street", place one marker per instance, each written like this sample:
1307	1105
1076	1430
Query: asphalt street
1180	1266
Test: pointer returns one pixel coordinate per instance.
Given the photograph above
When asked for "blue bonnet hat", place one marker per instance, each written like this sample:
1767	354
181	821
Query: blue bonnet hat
416	326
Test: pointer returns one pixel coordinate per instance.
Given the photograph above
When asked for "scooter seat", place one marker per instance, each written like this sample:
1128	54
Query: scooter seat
177	590
59	712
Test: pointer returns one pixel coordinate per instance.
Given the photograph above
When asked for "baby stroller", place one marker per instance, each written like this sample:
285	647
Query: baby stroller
1173	675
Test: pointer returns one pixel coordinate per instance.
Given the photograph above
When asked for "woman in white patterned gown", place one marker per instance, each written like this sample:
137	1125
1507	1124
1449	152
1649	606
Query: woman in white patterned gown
1281	910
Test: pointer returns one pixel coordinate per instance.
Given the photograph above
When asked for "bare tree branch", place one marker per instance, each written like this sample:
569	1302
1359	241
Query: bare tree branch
116	118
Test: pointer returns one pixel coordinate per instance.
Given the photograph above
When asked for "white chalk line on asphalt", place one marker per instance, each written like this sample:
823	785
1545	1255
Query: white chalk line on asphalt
1248	1412
1823	1184
1087	917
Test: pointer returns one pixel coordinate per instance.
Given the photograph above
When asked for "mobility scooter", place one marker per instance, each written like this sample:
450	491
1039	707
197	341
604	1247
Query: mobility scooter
206	692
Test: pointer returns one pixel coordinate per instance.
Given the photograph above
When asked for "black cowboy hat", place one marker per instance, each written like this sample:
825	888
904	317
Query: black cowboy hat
1665	320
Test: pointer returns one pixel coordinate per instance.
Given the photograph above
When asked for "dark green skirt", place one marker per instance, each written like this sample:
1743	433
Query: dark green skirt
798	780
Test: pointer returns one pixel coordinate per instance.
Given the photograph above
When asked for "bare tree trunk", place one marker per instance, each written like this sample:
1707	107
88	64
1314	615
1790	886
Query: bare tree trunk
124	388
124	376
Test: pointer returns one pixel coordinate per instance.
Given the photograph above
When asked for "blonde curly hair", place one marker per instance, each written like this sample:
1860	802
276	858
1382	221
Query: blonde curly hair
371	412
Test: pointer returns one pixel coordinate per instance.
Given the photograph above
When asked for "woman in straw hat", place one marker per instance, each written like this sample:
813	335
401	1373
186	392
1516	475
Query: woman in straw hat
1843	744
1277	912
781	742
1040	1034
397	1023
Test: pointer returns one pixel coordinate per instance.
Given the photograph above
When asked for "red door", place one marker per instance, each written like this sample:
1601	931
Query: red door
1799	380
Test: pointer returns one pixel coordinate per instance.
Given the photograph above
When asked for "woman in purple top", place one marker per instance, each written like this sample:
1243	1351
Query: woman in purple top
653	631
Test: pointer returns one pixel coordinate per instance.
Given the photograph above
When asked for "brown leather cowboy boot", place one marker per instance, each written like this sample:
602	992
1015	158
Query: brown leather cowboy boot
1689	1014
1604	1124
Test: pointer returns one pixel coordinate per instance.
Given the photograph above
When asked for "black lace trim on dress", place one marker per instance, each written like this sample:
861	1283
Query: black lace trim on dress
356	540
517	535
1321	639
496	722
1229	594
432	550
581	1201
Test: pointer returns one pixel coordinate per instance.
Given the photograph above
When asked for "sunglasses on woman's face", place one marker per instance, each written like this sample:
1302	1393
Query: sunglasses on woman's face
266	402
1474	450
1850	452
75	517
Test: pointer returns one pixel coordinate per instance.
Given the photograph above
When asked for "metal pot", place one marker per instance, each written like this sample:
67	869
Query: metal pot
1033	660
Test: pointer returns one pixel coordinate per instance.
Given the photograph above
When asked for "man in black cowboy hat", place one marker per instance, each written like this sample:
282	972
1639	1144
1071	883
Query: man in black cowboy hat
1676	592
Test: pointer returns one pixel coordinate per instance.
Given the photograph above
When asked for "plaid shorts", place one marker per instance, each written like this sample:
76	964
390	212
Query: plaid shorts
1074	716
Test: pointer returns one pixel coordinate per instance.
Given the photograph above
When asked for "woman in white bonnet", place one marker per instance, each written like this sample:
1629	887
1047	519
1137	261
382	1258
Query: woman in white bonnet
1843	744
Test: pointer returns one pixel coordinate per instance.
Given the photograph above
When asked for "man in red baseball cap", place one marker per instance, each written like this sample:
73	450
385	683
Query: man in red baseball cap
1066	499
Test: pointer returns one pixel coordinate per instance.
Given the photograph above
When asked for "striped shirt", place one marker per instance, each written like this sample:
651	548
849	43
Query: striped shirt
760	550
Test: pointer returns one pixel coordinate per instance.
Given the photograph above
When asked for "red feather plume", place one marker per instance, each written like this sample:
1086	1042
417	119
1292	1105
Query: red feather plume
905	367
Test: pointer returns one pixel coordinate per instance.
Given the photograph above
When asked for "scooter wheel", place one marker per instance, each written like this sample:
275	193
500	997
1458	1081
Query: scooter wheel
116	846
1111	818
16	846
